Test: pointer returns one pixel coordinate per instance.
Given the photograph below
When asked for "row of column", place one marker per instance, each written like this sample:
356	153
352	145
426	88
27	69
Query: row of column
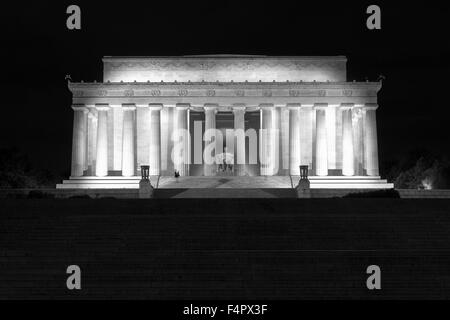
83	141
359	139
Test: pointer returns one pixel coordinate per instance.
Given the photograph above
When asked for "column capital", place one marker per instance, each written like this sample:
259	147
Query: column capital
128	107
92	115
238	107
156	107
293	106
210	107
307	105
182	106
102	107
320	106
347	106
80	107
266	106
371	106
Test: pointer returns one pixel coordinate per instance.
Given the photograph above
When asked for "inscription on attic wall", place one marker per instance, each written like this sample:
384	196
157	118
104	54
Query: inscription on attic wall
265	69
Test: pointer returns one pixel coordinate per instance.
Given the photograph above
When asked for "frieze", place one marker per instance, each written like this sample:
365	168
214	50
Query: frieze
347	93
155	93
267	93
294	93
182	92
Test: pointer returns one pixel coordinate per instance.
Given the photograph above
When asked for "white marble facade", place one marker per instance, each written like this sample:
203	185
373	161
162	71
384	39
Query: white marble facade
320	119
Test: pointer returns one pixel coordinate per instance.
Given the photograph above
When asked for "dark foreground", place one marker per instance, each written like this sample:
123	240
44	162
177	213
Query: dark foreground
225	248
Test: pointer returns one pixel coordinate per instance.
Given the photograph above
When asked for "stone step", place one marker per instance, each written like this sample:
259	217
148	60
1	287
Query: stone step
218	182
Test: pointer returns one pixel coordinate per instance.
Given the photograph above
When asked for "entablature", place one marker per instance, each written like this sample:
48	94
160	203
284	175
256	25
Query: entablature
221	89
225	94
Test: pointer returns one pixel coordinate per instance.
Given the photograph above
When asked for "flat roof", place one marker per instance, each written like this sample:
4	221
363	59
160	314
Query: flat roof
227	56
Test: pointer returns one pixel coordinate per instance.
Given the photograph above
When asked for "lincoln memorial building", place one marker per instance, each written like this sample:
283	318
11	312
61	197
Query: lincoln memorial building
212	116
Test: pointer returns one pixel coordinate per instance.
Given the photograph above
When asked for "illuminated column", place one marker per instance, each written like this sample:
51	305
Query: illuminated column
306	135
101	165
210	123
143	135
115	137
79	140
347	141
181	147
330	124
321	140
294	140
284	140
91	141
128	163
239	140
266	152
155	140
275	140
358	141
370	140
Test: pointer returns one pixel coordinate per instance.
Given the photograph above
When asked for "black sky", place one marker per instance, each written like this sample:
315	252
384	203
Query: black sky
412	51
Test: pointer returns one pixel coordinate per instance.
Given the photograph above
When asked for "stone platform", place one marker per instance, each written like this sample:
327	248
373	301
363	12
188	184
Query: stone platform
231	182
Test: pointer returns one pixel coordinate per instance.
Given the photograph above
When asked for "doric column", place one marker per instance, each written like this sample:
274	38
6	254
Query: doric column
79	140
167	129
370	140
155	140
143	135
91	142
358	140
115	137
210	123
101	165
348	158
284	140
239	140
306	135
330	124
321	140
276	143
181	147
266	152
128	162
294	139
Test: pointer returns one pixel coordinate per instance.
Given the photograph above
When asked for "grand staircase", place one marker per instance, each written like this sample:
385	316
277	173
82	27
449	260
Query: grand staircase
238	182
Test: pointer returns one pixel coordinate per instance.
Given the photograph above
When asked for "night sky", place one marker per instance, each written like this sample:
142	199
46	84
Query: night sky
411	50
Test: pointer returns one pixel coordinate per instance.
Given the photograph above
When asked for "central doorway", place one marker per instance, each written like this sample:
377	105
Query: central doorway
225	120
